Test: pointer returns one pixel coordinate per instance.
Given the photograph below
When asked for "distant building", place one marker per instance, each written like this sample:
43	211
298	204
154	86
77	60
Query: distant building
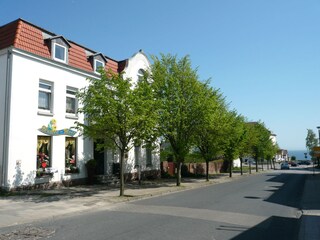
40	73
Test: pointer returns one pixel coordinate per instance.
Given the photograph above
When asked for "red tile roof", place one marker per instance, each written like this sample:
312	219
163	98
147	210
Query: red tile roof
30	38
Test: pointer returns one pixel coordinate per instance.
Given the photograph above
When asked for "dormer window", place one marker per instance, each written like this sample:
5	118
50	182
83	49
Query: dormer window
98	65
59	48
59	52
98	61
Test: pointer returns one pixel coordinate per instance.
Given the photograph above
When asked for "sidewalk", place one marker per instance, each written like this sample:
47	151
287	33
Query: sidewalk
34	205
310	219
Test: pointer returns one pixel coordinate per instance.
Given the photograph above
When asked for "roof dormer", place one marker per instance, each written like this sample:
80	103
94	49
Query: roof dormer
59	48
97	60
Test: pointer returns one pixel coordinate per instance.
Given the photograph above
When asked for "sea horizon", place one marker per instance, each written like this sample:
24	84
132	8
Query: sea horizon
299	154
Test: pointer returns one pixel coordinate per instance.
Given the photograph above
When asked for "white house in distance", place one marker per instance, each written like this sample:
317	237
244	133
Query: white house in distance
40	73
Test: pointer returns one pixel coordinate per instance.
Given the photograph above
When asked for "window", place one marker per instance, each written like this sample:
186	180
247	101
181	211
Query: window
60	53
137	156
149	156
43	154
71	101
141	74
97	65
70	155
45	96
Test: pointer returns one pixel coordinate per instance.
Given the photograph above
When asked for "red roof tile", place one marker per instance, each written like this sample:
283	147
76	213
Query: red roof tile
7	34
30	38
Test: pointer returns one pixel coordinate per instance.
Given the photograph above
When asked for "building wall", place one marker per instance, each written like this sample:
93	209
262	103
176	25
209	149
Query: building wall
25	119
3	71
135	63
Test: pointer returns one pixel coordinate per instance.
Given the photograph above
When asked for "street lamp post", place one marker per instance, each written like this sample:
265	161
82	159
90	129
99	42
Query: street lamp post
318	145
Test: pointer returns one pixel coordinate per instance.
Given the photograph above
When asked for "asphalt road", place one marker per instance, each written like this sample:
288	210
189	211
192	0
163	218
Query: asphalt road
264	206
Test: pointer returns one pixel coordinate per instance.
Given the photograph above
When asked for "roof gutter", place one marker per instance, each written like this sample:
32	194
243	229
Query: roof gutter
6	122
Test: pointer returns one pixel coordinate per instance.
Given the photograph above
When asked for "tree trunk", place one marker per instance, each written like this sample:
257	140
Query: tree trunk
241	172
178	173
122	173
207	170
230	167
256	165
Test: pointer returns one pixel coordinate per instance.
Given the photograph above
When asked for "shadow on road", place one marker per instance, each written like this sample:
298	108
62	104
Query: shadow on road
272	228
277	227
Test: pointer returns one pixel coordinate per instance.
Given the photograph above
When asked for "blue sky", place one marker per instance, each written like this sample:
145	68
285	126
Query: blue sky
264	55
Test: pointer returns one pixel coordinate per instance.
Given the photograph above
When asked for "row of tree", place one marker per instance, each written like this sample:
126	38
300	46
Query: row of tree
172	104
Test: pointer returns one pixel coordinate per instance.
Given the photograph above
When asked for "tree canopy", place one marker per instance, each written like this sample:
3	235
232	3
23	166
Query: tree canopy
311	141
178	95
116	113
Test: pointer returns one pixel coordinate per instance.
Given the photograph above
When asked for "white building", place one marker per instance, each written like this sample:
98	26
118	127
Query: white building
40	72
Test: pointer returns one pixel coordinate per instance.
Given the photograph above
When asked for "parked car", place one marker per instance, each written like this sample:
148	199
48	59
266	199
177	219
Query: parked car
293	164
285	165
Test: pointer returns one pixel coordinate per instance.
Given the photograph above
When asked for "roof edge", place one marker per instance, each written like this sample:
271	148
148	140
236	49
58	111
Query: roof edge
54	34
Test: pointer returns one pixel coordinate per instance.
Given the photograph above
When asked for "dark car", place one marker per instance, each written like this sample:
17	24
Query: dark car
293	164
284	165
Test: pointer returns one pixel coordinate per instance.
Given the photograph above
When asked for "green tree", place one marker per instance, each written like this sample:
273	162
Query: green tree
270	151
259	137
211	135
178	97
117	113
311	141
235	138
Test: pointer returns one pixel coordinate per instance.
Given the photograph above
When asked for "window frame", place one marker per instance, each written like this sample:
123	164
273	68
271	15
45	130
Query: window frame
73	96
137	156
149	156
54	52
71	167
43	161
95	65
50	92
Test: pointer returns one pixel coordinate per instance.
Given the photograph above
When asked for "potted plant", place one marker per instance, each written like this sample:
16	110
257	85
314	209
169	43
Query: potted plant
91	168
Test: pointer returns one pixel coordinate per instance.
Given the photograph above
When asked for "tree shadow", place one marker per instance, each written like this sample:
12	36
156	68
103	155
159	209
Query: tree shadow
277	227
293	188
272	228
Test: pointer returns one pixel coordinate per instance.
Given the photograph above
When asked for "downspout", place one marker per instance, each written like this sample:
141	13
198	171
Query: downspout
6	122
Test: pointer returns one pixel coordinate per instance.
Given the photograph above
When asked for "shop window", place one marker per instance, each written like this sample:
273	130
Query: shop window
45	96
43	155
71	101
70	155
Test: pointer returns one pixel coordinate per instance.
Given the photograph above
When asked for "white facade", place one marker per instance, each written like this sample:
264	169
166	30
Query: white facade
21	119
138	158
